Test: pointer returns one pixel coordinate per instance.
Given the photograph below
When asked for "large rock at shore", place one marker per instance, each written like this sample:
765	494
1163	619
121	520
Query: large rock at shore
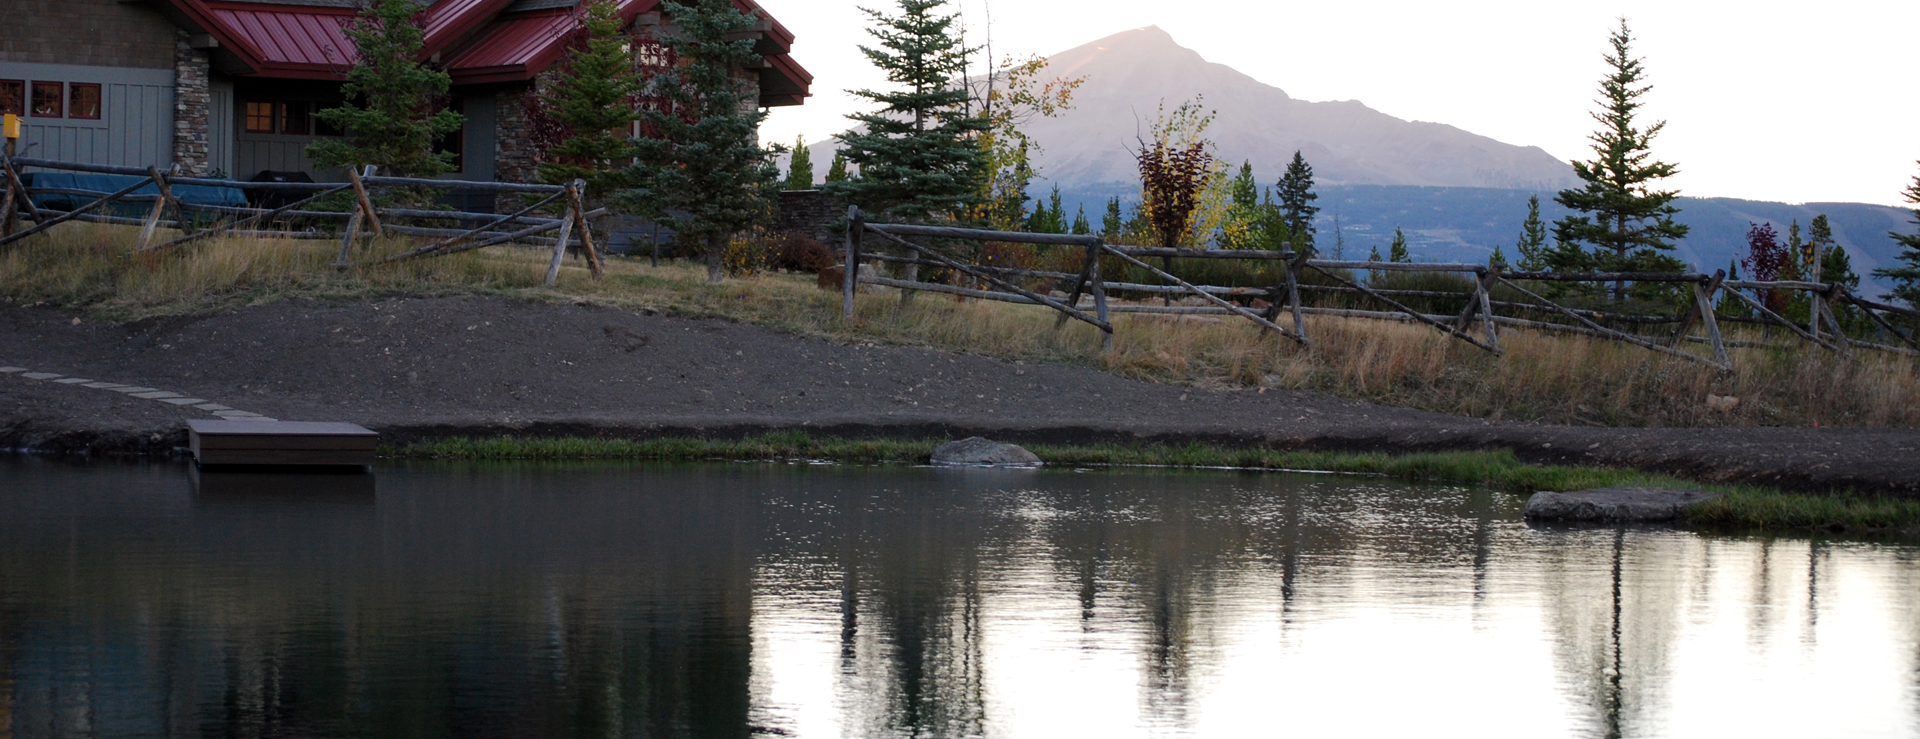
1615	504
974	451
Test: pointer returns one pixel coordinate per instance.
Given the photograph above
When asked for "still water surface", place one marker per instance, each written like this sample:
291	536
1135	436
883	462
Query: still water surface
829	601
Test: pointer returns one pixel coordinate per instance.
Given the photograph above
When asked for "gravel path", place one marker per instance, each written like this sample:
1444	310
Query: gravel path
421	368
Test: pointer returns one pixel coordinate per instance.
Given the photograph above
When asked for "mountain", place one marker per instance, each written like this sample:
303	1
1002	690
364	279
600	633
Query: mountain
1129	74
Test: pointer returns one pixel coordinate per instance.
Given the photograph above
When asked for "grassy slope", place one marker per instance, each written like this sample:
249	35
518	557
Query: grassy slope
1740	507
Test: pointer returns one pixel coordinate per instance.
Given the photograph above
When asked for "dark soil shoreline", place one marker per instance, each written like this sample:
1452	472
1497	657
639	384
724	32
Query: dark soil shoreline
432	368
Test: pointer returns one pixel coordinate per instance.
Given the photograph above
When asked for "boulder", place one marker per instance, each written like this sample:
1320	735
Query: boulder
974	451
1615	504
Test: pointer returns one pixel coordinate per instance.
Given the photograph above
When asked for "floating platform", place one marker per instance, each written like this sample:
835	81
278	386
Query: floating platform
280	443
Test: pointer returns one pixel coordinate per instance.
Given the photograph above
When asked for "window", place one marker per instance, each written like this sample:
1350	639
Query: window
46	99
13	97
83	101
259	117
293	118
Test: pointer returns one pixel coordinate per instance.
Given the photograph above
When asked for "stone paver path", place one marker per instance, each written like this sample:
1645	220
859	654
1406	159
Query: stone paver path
135	391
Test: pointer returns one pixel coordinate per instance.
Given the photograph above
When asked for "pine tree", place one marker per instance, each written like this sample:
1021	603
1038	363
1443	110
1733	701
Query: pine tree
1080	225
391	98
800	168
917	157
1835	266
1532	246
837	171
1627	221
591	96
1498	260
1397	251
1798	247
1339	240
699	160
1111	224
1906	278
1296	195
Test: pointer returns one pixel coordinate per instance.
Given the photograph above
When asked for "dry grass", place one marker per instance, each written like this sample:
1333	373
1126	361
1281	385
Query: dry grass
1539	377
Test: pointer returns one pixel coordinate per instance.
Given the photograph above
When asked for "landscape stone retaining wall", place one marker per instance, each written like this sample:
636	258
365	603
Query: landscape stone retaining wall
811	213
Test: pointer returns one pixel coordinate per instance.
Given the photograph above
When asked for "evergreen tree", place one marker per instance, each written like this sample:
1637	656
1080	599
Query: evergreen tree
1397	251
1627	221
1835	266
1111	224
917	157
1532	246
1801	251
1339	240
1498	260
591	96
1730	305
1296	195
1906	278
1243	190
391	116
699	160
837	171
1080	225
800	168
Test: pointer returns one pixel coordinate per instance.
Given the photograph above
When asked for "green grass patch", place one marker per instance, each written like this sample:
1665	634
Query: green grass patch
1742	506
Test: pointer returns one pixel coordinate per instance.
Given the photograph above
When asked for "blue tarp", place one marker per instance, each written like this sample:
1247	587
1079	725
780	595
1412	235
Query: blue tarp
107	184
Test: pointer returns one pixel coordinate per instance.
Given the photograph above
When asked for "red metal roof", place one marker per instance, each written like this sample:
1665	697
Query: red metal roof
293	41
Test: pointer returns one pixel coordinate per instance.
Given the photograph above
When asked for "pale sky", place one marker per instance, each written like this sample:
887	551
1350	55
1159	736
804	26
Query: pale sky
1795	102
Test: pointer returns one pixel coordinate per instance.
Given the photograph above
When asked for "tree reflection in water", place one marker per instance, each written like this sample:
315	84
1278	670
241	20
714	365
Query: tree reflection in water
782	600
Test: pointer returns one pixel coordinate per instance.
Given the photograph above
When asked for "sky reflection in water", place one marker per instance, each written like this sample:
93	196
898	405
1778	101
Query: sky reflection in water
778	600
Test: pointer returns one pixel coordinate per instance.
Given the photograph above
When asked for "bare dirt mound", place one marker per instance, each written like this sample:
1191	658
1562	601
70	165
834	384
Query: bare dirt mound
433	367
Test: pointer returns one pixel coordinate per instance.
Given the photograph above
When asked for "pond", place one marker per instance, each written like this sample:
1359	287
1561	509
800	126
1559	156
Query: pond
795	600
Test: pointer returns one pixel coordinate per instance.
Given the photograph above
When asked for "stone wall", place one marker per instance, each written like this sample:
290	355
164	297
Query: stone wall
192	107
811	213
98	33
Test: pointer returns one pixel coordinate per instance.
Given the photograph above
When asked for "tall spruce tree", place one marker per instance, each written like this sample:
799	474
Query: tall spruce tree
592	96
837	169
1532	246
1080	225
1906	278
1112	224
699	160
1835	266
800	168
392	115
917	155
1397	251
1295	192
1618	211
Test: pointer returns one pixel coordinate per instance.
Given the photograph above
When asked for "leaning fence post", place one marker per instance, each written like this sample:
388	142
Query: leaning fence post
1703	302
366	203
159	208
560	244
1080	284
1483	292
578	209
856	221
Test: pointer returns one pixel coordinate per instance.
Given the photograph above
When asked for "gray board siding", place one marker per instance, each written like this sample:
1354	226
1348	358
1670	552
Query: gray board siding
135	128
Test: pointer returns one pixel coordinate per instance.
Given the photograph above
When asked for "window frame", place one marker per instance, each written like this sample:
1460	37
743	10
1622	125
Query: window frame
288	111
59	99
247	117
21	101
99	100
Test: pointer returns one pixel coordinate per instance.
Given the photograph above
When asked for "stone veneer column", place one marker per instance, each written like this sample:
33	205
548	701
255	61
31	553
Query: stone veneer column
192	106
513	159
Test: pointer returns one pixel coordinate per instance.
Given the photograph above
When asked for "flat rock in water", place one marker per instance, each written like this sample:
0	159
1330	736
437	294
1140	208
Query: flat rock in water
975	451
1615	504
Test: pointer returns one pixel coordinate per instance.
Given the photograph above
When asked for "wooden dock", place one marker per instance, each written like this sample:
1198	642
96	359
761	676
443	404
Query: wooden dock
280	443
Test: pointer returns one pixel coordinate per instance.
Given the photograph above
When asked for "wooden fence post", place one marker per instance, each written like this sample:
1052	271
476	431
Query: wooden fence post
46	223
363	209
1483	293
560	243
1703	309
1080	284
1099	289
577	208
8	213
159	207
366	203
850	281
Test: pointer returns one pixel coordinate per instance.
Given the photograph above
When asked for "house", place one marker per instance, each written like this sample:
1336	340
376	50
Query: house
231	88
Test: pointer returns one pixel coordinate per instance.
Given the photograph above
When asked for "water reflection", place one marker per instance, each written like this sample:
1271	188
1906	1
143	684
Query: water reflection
766	600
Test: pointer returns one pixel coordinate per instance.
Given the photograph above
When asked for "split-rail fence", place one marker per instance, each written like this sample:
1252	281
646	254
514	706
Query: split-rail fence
362	219
1088	294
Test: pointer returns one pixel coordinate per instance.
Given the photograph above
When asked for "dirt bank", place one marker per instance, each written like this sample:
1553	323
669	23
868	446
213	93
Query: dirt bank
434	367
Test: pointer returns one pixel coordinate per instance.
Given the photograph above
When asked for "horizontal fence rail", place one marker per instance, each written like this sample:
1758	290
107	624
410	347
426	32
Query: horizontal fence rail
565	222
1088	294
